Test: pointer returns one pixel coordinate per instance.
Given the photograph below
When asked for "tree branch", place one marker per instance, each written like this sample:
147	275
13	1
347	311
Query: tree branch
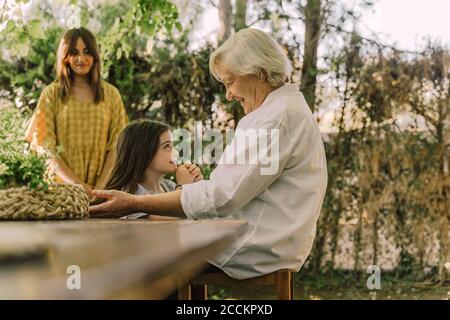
213	4
3	10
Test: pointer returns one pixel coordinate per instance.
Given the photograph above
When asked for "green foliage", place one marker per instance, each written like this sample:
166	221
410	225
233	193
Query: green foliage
174	76
218	293
18	165
157	74
30	37
385	176
18	33
22	80
133	22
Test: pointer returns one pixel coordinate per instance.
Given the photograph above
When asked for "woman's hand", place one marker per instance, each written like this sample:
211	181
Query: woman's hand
118	204
188	173
196	172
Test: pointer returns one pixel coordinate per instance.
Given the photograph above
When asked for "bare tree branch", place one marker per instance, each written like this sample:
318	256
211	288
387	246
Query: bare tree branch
213	4
3	10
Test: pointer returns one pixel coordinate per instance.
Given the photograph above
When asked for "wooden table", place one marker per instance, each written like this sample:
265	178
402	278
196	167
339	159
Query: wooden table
118	259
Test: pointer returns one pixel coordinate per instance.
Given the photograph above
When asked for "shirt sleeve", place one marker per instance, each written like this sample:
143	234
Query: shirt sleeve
41	130
119	120
232	185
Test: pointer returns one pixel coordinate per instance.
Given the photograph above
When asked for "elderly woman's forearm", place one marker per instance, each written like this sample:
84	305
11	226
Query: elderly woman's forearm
168	204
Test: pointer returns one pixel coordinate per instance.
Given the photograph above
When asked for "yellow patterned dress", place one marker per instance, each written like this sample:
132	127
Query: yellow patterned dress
81	133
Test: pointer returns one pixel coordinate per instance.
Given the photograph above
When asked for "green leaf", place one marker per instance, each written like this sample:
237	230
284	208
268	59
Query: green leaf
10	26
119	53
35	29
21	49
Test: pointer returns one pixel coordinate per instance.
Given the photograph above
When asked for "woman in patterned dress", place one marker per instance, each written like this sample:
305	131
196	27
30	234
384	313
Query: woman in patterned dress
79	116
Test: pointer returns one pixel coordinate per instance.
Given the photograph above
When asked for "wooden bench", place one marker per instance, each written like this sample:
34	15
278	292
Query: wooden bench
196	289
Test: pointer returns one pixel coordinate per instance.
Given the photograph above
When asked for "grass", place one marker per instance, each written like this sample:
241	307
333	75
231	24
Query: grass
340	285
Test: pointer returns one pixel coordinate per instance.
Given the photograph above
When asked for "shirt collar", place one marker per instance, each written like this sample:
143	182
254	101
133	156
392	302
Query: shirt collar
284	90
281	91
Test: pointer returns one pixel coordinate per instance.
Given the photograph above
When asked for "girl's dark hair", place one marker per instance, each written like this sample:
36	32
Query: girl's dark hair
64	75
137	145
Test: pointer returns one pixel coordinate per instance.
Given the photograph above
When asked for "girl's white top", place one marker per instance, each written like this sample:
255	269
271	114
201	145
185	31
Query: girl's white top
167	186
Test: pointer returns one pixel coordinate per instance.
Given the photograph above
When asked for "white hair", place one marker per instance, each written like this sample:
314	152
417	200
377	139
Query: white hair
252	52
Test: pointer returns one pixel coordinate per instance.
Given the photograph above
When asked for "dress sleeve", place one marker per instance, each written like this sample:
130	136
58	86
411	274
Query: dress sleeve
119	120
41	130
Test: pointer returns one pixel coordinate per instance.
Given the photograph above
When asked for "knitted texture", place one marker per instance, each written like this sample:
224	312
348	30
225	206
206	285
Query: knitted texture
60	201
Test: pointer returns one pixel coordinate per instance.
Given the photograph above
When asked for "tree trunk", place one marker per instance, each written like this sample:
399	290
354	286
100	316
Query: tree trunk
312	33
225	25
240	17
442	199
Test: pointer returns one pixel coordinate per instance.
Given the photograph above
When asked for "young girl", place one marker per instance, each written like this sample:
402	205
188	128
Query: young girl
145	154
79	116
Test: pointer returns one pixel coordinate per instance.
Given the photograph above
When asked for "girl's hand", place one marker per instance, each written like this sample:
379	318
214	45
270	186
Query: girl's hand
188	173
183	176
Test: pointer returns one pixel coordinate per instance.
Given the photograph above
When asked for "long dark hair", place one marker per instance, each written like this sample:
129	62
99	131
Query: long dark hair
64	75
137	145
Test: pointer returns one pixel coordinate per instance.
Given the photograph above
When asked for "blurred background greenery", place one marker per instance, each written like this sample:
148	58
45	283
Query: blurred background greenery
383	111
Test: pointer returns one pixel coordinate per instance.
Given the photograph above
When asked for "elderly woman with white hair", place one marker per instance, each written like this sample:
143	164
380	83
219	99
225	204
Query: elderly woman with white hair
282	206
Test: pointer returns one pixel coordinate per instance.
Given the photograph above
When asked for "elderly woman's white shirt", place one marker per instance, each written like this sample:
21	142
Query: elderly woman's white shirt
282	208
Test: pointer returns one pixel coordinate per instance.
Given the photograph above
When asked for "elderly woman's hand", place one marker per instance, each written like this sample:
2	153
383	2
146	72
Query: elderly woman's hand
118	204
196	172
